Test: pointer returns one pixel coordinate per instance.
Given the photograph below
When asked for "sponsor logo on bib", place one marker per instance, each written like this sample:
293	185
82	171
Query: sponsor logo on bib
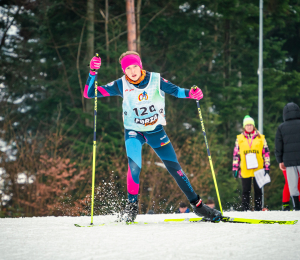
126	90
147	121
143	96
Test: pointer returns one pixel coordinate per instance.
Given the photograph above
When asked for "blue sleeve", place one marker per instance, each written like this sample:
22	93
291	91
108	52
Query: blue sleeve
114	88
169	88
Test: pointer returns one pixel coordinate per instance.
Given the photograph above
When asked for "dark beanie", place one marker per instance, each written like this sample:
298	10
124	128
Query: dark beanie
182	205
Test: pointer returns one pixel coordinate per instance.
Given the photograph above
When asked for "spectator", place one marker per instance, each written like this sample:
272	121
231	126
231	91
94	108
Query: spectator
287	149
251	153
210	203
183	208
150	211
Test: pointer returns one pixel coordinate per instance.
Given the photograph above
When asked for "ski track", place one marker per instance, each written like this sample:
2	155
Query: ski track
57	238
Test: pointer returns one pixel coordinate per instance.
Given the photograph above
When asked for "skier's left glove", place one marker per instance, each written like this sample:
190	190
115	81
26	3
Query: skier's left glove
267	172
195	93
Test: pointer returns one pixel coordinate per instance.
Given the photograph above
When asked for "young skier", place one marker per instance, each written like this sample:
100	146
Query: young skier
143	96
250	143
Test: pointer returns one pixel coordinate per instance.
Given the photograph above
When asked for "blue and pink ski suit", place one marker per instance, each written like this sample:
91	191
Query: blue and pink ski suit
157	138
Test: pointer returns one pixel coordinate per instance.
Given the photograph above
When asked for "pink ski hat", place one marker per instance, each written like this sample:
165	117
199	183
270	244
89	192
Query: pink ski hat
131	59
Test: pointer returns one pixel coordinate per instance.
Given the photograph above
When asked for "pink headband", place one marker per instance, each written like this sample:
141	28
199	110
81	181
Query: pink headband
131	59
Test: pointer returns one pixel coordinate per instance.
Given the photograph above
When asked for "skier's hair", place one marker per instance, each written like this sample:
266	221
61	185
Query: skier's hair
255	129
127	53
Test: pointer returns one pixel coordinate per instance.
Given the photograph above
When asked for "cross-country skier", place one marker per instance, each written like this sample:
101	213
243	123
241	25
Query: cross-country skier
143	96
250	144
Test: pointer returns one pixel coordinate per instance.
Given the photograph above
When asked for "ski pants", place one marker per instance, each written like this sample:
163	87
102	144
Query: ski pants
286	190
246	183
292	174
160	143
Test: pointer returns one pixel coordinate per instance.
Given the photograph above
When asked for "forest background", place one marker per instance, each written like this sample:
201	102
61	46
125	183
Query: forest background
46	124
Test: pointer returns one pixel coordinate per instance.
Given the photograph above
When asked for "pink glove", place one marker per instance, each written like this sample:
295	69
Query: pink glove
95	64
196	94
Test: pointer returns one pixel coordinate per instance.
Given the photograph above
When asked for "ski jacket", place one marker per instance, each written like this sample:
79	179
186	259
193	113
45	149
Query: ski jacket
287	141
117	88
259	144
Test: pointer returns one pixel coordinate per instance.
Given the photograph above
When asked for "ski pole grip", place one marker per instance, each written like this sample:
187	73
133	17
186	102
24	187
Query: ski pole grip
195	87
96	55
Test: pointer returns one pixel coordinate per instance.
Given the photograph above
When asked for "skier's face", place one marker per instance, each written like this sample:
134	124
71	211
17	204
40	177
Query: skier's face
133	72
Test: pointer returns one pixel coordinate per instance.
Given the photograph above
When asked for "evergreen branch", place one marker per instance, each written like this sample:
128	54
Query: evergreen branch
157	14
62	62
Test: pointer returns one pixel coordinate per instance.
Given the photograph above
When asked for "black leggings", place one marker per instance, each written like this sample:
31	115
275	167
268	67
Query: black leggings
246	183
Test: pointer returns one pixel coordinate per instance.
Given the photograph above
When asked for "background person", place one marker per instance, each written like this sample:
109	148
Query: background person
252	143
287	149
210	203
183	208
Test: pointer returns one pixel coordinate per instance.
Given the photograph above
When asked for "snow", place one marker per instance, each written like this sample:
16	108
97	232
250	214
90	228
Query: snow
58	238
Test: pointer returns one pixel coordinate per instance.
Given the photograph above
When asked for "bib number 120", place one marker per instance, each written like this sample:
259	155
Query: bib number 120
144	110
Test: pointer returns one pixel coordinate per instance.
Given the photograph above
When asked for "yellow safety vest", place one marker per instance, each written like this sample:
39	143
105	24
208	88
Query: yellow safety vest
256	147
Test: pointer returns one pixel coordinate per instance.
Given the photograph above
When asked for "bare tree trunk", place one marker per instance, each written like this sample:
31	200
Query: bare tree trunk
138	22
227	69
227	52
240	78
90	50
78	67
106	33
117	65
131	25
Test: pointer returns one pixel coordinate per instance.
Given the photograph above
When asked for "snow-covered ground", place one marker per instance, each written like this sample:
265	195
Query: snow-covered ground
58	238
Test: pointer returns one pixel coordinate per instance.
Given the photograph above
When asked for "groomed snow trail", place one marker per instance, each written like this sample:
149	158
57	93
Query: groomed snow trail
57	238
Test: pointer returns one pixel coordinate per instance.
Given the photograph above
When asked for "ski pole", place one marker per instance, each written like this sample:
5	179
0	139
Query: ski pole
94	144
208	152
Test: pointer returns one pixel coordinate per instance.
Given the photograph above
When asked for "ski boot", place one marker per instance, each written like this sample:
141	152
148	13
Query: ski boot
296	203
286	207
203	210
130	212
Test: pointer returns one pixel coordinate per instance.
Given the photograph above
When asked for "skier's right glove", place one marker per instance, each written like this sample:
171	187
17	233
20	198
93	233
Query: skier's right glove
235	174
95	64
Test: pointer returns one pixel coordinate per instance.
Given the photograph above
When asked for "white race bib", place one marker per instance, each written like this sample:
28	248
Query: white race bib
251	161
